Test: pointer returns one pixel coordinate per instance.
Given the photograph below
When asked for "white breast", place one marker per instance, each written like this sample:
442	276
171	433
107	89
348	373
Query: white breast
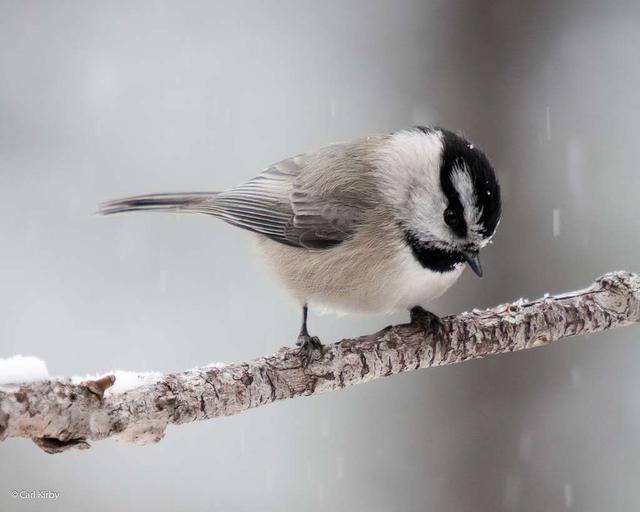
415	285
351	279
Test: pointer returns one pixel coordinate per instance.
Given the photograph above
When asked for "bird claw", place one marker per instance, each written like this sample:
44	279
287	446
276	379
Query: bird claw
429	321
308	345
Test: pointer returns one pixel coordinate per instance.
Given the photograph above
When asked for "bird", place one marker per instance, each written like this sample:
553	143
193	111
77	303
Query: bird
379	224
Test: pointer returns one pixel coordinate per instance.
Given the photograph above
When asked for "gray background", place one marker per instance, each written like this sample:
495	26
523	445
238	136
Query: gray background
100	100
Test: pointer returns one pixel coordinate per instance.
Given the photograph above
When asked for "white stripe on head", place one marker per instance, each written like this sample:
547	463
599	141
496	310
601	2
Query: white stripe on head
463	183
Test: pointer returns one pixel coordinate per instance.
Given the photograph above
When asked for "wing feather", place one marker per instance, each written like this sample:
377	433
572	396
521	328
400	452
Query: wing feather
314	201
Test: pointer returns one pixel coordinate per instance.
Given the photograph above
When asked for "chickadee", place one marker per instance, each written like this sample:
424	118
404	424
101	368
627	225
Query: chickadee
379	224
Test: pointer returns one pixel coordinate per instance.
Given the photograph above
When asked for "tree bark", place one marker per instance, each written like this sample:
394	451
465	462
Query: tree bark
59	415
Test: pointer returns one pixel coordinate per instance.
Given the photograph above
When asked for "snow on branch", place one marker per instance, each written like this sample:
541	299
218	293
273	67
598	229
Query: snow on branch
59	414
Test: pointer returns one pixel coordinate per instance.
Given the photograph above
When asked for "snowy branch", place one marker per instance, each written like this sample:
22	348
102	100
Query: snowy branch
59	414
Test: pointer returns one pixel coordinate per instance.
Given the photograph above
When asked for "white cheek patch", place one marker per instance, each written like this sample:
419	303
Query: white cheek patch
409	173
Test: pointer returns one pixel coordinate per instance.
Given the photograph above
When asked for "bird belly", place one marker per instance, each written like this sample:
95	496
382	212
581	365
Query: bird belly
357	277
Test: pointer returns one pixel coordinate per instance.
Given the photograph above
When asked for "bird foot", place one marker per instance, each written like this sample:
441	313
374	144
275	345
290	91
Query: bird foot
429	321
308	345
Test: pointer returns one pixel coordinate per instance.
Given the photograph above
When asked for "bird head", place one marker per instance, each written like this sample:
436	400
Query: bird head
445	195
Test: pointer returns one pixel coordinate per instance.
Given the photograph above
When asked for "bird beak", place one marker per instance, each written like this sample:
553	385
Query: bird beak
473	260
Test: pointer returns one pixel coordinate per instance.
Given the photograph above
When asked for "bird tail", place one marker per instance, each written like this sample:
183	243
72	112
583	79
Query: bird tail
190	202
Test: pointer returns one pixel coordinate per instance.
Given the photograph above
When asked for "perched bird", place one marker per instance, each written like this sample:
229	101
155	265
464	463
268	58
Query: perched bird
379	224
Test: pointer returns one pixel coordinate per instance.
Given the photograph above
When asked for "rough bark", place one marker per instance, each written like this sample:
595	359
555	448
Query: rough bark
59	415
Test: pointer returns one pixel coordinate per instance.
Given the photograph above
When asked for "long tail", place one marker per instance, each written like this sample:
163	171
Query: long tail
190	202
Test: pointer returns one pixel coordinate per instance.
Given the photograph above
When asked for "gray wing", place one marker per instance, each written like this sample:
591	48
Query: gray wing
314	201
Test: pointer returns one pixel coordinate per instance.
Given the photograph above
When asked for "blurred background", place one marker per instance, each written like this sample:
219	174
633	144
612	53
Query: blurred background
105	99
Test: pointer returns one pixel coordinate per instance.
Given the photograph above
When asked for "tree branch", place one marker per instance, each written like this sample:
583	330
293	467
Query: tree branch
59	415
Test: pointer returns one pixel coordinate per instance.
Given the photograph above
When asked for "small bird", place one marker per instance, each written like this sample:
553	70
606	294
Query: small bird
379	224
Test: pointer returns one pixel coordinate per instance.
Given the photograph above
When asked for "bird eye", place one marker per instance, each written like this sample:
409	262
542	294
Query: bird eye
450	217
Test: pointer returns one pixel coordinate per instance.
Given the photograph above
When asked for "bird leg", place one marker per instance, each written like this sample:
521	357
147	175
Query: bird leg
307	343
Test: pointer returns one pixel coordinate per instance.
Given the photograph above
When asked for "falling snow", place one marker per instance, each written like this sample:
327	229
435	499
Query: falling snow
333	108
548	119
556	223
568	495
